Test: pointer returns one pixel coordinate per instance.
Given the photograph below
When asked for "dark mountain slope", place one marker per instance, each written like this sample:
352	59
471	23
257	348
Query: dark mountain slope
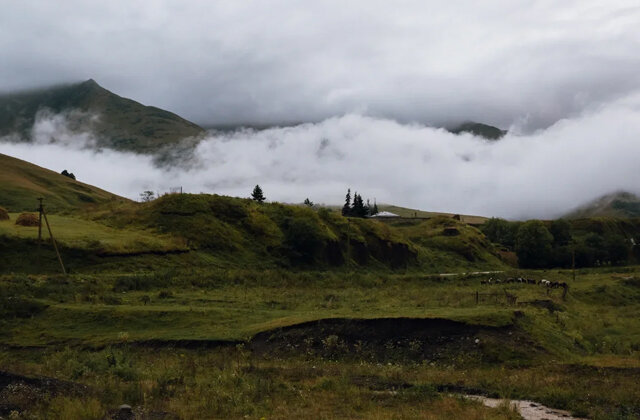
619	204
22	183
481	130
119	123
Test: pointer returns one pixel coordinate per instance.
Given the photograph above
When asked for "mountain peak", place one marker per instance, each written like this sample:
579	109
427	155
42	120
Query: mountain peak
486	131
124	124
90	83
616	204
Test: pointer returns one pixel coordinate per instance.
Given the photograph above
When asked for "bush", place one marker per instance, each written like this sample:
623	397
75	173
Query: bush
28	219
500	231
534	245
618	248
18	307
303	238
4	214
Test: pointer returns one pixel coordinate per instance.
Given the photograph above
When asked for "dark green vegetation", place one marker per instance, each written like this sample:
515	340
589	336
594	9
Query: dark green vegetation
204	306
620	204
561	243
481	130
121	124
201	230
22	183
235	343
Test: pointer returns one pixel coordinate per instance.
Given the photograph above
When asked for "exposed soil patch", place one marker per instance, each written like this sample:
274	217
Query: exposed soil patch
18	392
387	339
529	410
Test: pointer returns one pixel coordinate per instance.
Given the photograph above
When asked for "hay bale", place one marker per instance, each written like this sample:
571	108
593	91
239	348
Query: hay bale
28	219
4	214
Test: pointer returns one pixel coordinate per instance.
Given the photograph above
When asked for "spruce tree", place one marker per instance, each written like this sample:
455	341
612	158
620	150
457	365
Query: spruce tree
358	209
257	194
346	209
374	210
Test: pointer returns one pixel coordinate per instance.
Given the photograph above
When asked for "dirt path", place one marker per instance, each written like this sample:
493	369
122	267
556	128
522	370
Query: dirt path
529	410
471	273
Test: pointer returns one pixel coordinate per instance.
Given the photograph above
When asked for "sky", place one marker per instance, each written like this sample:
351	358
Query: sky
541	175
503	62
364	86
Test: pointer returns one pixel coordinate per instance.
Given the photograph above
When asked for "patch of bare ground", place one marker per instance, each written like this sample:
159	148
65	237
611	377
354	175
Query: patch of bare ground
388	339
18	392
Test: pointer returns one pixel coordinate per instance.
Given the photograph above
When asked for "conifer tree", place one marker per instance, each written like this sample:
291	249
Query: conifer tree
346	209
358	209
257	194
374	210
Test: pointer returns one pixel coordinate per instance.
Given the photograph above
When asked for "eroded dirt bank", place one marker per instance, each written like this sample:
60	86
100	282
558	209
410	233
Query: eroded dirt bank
431	339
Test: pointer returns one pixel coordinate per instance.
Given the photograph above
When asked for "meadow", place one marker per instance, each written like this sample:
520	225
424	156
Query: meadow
203	306
192	343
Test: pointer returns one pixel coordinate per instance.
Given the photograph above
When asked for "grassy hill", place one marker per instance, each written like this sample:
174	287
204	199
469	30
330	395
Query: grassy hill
408	213
205	306
481	130
202	229
122	123
619	204
22	183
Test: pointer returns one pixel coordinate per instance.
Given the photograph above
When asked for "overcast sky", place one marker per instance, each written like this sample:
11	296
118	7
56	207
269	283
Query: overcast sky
541	175
367	78
523	62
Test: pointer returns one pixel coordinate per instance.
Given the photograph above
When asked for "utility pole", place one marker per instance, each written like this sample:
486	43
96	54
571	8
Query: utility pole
348	242
573	261
53	241
40	210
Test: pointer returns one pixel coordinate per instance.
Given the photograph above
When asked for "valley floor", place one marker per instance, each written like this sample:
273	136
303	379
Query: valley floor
283	344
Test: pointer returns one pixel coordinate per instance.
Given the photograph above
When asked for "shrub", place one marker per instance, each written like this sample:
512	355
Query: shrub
533	245
19	307
27	219
4	214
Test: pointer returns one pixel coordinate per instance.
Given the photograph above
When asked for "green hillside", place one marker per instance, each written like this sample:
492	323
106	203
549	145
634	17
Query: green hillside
409	213
122	123
22	183
207	306
620	204
481	130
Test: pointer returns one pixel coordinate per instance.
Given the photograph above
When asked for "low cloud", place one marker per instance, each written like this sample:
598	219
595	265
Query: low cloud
542	175
274	61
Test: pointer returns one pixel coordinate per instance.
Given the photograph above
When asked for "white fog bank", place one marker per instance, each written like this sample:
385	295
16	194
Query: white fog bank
521	176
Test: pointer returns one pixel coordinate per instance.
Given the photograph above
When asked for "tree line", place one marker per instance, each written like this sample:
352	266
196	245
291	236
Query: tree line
358	208
556	244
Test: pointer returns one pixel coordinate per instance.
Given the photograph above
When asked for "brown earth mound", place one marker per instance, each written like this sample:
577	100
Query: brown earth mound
4	214
27	219
18	393
430	339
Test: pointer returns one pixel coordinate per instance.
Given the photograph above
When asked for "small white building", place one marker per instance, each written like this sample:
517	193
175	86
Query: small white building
385	214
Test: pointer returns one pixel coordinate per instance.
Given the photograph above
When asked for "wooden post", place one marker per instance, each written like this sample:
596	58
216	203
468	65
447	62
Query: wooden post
40	208
573	261
348	242
55	246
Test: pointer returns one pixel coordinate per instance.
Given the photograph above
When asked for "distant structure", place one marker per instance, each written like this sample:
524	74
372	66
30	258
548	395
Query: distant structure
385	214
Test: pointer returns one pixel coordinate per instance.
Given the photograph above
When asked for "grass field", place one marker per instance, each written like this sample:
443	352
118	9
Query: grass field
201	306
181	342
80	233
